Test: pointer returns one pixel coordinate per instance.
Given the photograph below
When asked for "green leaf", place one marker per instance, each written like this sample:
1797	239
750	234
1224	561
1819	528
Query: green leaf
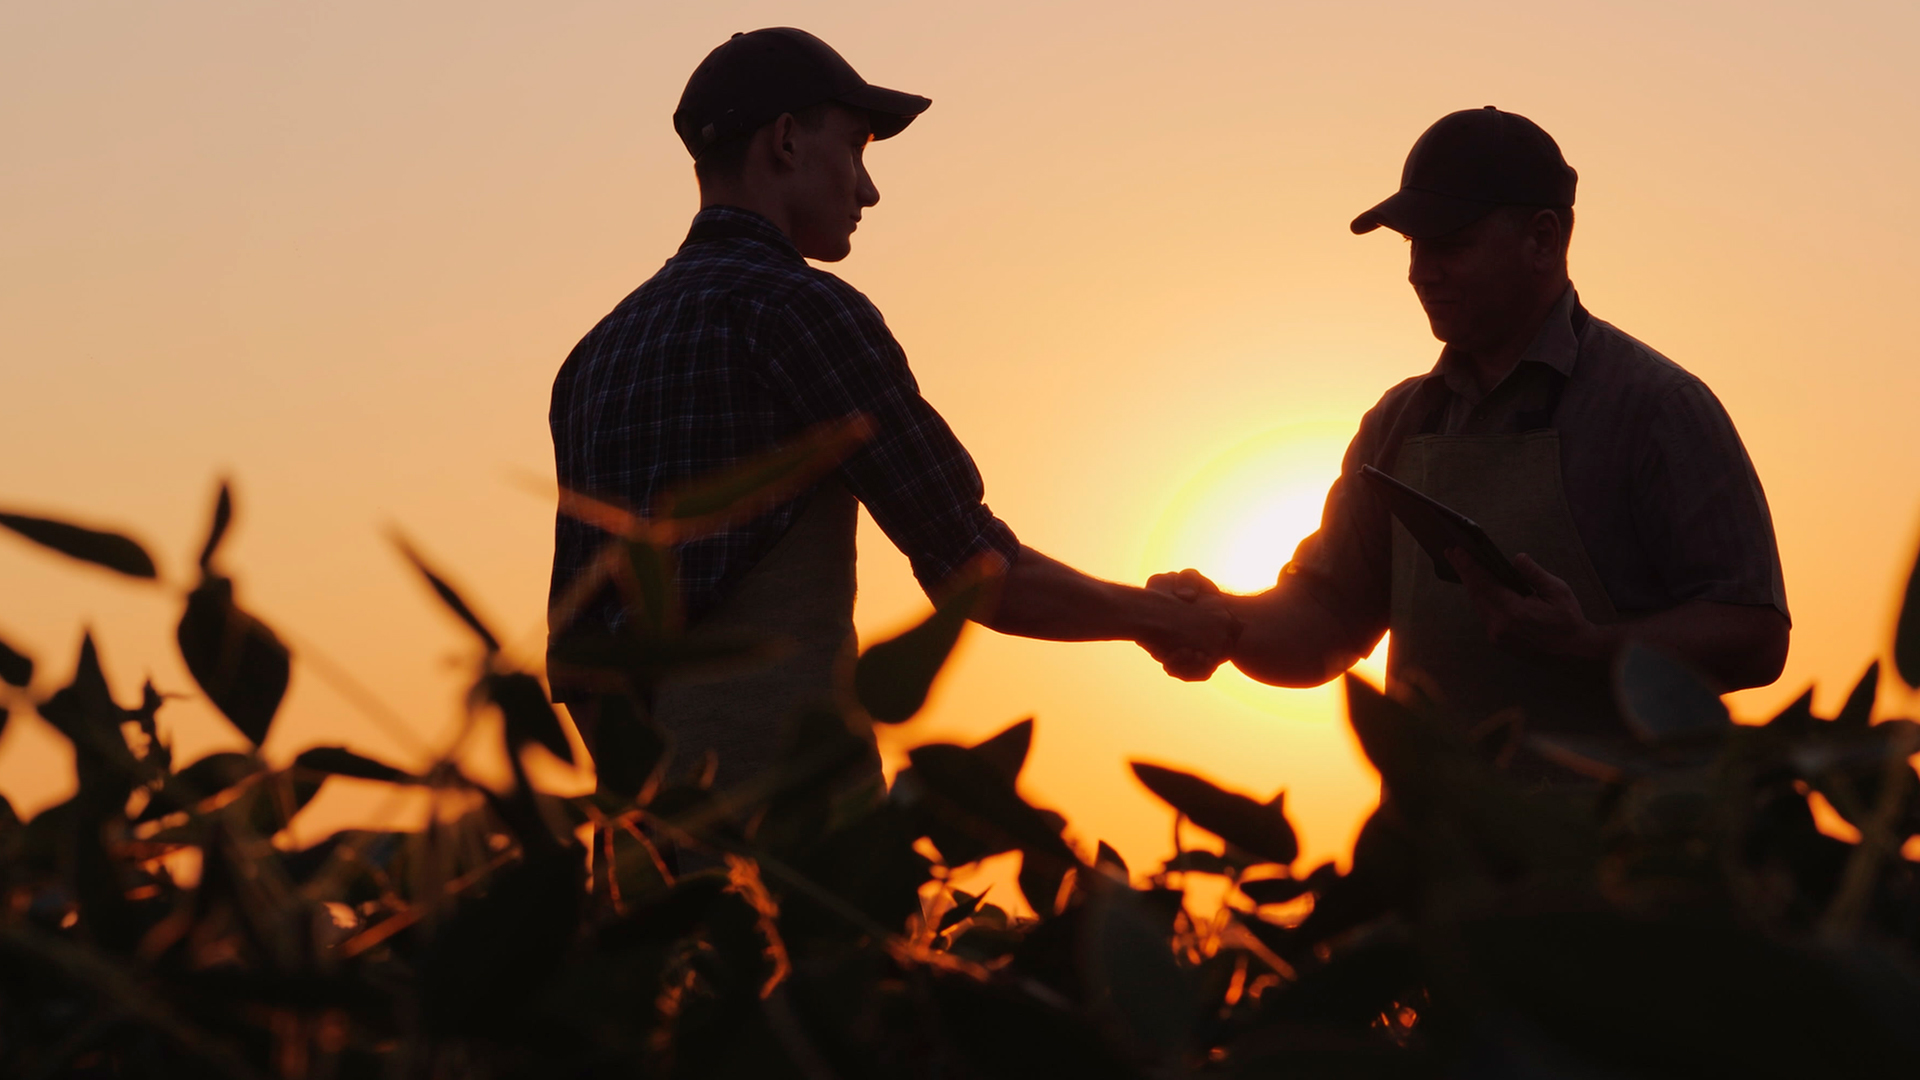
1258	828
529	715
16	667
340	761
222	517
1663	700
238	660
1858	711
893	677
651	584
1007	751
970	793
1906	634
726	498
108	549
447	594
1106	858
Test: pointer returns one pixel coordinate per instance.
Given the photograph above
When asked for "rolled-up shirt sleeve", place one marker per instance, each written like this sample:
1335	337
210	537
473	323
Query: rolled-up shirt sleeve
832	357
1347	565
1700	510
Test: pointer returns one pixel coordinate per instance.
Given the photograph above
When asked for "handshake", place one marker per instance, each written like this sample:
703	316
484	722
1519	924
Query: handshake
1194	628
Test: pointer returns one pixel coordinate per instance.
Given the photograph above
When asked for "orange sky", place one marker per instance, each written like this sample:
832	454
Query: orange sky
338	251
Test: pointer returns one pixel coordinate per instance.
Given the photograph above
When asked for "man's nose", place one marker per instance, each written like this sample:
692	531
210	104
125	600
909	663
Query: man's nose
865	191
1422	268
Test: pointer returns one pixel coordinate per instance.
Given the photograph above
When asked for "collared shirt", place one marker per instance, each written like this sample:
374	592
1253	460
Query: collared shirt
735	346
1660	487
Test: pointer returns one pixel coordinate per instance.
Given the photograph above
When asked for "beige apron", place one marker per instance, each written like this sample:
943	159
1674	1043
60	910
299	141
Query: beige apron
1511	485
801	593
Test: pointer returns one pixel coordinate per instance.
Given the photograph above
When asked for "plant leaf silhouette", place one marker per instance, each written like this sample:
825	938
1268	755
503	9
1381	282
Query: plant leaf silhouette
340	761
1796	720
1259	828
108	549
238	660
222	518
1663	700
712	503
1906	632
448	596
965	905
893	677
1858	711
1007	751
1131	976
528	713
16	667
1275	890
970	792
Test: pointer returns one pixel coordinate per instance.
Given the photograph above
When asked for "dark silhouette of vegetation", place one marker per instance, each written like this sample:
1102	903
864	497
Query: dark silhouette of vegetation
1685	918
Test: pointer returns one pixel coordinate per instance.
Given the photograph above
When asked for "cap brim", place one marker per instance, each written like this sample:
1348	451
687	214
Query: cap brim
891	110
1423	215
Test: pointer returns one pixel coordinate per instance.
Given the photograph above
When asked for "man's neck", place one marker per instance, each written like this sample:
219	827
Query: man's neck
1492	362
743	198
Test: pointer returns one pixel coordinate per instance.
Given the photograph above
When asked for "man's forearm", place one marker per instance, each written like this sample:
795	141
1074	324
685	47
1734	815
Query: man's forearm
1289	638
1044	598
1736	645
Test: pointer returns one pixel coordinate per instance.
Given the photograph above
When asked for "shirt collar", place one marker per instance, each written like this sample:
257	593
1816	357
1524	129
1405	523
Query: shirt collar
735	223
1555	345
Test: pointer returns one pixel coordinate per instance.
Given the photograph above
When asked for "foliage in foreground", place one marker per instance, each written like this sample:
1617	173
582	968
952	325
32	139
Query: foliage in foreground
1685	919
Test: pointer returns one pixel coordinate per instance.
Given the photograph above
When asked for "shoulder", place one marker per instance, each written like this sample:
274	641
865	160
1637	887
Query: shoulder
1636	388
813	293
1619	365
1401	398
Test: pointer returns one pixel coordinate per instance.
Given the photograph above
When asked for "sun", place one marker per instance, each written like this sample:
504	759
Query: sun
1239	518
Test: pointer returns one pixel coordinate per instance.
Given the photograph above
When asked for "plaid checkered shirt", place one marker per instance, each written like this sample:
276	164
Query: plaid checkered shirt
735	346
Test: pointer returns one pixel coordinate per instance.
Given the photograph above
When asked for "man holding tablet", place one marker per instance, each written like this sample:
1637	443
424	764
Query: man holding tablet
1611	477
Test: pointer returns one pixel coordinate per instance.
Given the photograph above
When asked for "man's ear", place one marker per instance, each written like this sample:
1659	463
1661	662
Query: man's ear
781	141
1549	237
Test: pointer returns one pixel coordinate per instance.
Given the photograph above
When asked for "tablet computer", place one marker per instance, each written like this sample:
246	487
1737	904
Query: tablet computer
1439	527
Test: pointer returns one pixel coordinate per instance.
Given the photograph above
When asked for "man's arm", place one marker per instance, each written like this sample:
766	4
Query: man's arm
1735	645
1043	598
831	356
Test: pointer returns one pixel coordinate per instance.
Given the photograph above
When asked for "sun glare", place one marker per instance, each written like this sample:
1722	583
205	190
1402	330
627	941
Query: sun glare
1240	517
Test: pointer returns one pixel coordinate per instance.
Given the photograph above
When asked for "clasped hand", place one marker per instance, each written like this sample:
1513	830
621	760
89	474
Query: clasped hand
1197	658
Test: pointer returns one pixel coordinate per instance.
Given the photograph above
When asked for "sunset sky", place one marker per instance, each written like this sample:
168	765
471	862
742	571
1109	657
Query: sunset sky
337	252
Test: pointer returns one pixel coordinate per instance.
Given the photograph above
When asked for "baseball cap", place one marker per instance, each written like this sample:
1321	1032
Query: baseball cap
752	78
1468	164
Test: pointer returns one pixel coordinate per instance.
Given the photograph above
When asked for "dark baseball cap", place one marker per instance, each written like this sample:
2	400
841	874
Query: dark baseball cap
1468	164
751	79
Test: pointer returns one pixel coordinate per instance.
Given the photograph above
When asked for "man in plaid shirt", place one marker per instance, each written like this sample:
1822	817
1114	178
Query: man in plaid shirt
736	346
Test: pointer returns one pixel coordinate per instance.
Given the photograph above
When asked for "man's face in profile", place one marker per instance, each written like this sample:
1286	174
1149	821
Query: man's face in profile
830	185
1476	281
